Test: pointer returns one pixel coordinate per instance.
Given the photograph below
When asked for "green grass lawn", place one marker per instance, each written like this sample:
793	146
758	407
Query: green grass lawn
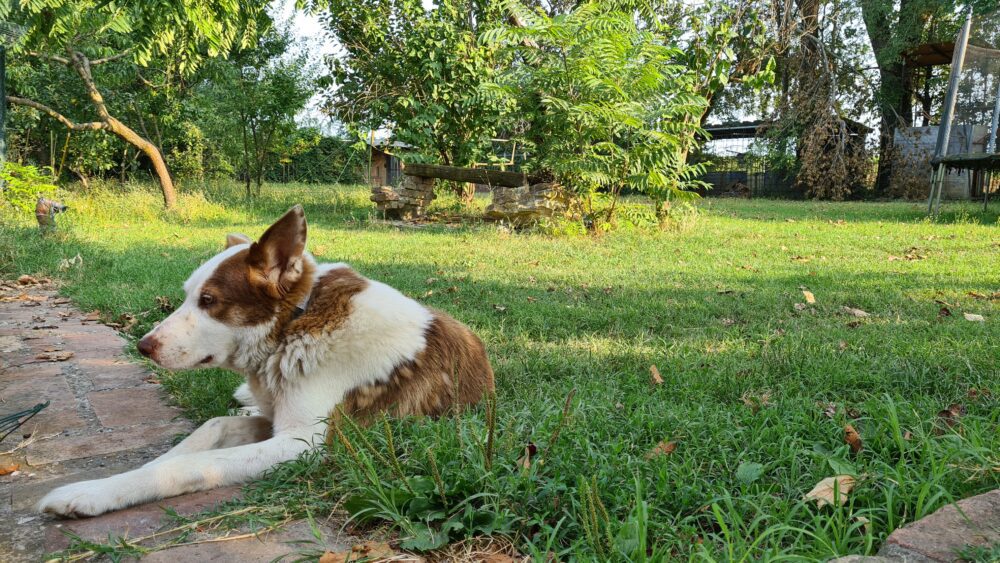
757	385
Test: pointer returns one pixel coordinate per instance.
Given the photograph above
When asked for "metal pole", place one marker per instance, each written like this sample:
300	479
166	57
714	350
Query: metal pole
957	60
991	145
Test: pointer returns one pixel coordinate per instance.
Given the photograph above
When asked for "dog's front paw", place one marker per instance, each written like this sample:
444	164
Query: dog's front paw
87	498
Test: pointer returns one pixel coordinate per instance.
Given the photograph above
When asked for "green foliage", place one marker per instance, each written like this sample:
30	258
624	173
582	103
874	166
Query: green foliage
421	72
307	156
183	31
257	92
21	185
608	105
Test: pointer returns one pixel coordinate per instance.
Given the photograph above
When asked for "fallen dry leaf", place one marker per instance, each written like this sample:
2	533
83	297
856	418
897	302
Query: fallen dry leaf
499	308
163	302
907	435
800	306
829	409
7	469
865	523
655	375
525	461
854	312
810	298
974	317
976	295
824	491
852	438
950	416
944	312
94	315
975	394
663	448
842	345
55	356
27	280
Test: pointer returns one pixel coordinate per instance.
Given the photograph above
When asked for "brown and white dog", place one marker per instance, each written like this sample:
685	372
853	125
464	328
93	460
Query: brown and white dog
308	337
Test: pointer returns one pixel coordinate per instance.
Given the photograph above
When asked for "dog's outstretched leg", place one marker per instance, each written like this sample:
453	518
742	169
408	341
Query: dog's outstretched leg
221	432
185	473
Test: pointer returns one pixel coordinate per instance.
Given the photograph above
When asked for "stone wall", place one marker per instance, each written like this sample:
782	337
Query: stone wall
409	201
527	204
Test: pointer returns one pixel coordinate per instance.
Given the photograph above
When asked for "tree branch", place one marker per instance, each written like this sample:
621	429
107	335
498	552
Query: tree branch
91	126
108	59
54	58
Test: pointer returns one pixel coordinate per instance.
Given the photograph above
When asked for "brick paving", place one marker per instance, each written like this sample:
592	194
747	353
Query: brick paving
106	415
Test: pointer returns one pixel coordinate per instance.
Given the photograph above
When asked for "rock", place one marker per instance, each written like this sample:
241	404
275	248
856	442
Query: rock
408	201
950	530
863	559
527	204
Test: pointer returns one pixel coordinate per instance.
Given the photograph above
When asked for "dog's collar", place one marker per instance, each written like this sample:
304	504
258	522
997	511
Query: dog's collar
301	307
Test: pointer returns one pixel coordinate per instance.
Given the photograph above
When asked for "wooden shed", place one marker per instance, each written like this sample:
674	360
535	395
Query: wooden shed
386	166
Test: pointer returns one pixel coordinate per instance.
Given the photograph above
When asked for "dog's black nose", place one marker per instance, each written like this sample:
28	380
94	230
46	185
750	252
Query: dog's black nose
148	345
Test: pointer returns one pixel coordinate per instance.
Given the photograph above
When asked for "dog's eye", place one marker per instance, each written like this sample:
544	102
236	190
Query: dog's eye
206	299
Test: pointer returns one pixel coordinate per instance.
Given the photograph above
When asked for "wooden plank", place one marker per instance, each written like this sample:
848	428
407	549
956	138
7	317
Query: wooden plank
472	175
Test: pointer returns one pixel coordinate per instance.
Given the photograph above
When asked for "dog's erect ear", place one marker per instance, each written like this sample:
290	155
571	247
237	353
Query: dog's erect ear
275	260
233	239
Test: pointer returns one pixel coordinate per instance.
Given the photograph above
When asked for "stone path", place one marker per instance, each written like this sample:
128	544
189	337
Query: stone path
106	415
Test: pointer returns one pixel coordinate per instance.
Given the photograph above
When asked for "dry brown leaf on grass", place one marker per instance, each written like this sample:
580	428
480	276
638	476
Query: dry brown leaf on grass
950	416
974	317
824	492
854	312
163	302
94	315
663	448
27	280
800	306
55	356
7	469
368	551
529	452
810	298
852	438
655	375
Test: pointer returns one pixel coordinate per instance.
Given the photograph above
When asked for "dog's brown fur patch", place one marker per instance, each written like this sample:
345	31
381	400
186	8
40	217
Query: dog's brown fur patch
240	302
453	355
330	302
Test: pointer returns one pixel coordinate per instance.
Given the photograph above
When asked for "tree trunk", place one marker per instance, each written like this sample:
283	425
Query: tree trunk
81	65
891	33
126	134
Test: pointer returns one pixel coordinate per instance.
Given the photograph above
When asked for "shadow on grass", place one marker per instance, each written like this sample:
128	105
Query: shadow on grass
550	336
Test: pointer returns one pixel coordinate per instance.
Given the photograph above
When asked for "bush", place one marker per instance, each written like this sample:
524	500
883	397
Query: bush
20	185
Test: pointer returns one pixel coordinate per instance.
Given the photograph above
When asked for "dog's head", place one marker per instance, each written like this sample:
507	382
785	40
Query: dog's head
233	300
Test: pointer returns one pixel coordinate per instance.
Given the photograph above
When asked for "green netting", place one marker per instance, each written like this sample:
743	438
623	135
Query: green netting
977	91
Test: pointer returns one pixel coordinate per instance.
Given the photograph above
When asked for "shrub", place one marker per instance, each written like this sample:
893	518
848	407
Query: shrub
20	185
